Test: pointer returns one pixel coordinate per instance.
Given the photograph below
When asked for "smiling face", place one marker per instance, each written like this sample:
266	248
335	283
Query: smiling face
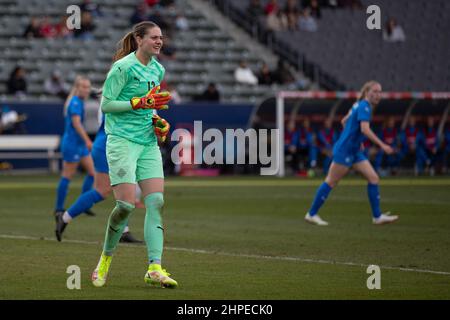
151	43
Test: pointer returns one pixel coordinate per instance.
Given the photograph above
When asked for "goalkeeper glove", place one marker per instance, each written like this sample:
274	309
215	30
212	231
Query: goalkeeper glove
161	126
152	100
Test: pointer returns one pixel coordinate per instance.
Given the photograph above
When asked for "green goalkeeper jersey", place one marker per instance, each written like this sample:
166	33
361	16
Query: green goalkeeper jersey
130	78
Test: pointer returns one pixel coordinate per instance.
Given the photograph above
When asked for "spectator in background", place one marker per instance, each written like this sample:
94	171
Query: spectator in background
152	3
276	21
87	27
353	4
181	22
91	7
271	6
33	30
139	14
446	149
11	122
306	22
409	138
314	8
255	10
306	143
61	29
17	83
326	138
291	11
290	145
393	32
429	141
167	3
243	74
265	76
168	50
210	94
282	74
55	85
47	29
390	136
156	17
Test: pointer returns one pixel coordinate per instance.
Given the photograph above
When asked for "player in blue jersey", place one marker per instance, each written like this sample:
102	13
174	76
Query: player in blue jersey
75	144
102	188
347	153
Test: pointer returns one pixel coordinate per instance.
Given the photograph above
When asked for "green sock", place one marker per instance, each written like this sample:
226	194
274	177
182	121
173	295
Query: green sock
118	220
153	227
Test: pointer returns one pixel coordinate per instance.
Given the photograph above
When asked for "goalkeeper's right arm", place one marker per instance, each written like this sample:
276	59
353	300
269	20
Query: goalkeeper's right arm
115	106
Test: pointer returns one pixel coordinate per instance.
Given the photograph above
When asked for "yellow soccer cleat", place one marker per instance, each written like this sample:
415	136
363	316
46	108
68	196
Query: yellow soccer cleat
101	271
158	276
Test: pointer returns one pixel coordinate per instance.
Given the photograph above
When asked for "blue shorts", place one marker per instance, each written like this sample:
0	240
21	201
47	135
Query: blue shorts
100	162
73	152
347	159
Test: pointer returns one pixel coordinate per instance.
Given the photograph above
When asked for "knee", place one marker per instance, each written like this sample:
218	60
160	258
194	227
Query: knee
104	192
123	210
331	182
67	174
154	200
374	179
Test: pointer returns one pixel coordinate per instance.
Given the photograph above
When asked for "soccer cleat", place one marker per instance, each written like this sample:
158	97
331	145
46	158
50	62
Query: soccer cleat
315	219
101	271
127	237
158	276
384	218
60	225
57	212
90	213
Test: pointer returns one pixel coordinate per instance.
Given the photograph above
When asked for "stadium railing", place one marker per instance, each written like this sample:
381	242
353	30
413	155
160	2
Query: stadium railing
31	147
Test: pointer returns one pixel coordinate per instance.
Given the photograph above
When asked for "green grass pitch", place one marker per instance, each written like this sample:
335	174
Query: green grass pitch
236	238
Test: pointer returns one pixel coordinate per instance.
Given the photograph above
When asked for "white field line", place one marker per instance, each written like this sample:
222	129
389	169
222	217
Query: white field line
242	183
239	255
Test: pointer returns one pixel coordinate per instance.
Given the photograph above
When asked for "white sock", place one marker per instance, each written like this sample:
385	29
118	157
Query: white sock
66	217
126	229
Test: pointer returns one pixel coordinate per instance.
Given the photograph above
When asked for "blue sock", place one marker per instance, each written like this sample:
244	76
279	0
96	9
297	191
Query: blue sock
61	193
85	202
321	196
87	184
374	198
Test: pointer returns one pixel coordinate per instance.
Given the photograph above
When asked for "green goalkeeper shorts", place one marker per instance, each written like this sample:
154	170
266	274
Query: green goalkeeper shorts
130	162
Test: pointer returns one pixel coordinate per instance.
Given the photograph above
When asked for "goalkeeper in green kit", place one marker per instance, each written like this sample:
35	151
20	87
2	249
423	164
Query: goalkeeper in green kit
130	98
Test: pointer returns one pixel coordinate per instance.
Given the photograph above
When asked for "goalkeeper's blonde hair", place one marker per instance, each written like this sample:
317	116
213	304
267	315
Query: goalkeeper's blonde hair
73	91
128	43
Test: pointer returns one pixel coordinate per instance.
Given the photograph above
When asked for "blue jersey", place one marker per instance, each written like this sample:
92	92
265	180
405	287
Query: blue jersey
100	137
71	136
351	138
